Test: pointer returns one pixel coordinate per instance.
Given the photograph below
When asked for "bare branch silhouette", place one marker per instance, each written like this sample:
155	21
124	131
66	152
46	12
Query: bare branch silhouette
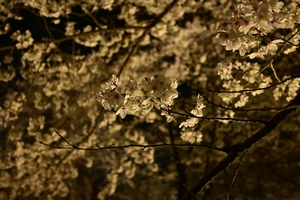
236	150
235	175
98	120
144	146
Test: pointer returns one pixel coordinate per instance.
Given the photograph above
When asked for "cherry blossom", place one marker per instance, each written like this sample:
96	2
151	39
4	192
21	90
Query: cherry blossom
140	97
58	94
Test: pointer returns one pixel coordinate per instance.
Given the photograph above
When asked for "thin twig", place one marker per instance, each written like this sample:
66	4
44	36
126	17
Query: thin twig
216	118
292	44
91	131
278	52
146	31
76	147
281	49
187	192
235	151
235	175
161	138
73	147
47	28
64	139
91	16
69	37
257	89
274	72
274	109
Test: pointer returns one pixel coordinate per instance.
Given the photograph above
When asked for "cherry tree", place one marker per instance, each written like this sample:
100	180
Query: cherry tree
171	99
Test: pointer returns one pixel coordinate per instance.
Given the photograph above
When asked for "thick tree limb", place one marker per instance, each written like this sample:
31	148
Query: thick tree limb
235	150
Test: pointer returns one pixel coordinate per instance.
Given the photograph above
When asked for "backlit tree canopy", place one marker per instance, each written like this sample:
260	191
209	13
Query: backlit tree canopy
147	99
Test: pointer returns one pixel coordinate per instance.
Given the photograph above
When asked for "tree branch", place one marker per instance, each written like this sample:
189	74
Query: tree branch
235	175
236	150
216	118
98	119
257	89
144	146
274	109
147	30
180	168
69	37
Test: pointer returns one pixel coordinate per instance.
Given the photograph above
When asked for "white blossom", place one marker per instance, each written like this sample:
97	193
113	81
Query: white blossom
191	136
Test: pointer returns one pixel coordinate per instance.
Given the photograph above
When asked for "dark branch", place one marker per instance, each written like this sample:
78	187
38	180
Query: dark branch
64	139
249	109
147	30
161	139
238	149
98	119
216	118
70	37
235	175
72	147
257	89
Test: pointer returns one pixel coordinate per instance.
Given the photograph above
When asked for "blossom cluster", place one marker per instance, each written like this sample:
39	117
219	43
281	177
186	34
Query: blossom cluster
191	136
24	40
245	27
188	132
251	76
288	89
52	88
141	97
197	112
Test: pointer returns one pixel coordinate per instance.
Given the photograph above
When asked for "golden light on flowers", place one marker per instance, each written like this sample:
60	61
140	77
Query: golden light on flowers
149	99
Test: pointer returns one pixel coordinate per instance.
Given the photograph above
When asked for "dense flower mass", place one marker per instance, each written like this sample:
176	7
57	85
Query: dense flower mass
252	77
140	98
247	25
178	88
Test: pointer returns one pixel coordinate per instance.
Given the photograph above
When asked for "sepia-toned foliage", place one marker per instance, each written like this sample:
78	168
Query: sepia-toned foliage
170	99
